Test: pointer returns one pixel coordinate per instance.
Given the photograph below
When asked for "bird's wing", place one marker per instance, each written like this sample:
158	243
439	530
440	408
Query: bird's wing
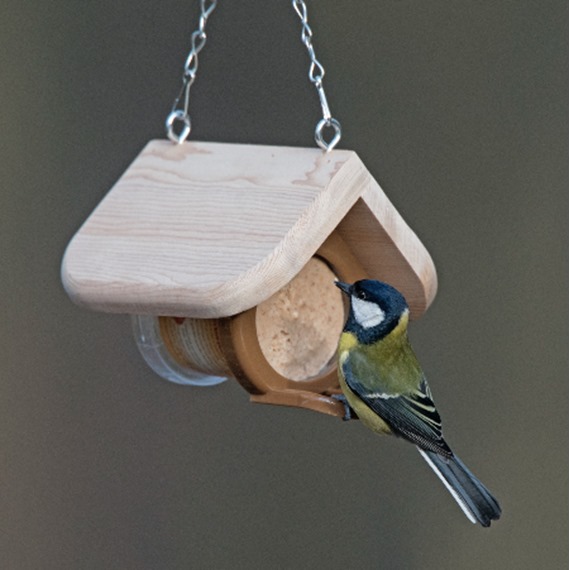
412	416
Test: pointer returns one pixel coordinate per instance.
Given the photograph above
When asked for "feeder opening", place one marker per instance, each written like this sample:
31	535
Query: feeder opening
299	326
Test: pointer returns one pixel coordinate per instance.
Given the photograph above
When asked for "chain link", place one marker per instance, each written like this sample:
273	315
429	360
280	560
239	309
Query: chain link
179	117
316	75
179	112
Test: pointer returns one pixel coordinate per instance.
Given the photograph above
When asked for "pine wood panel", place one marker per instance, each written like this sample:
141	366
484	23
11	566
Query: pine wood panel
212	229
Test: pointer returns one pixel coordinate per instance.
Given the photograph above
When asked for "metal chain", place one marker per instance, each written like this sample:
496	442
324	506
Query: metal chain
316	75
179	113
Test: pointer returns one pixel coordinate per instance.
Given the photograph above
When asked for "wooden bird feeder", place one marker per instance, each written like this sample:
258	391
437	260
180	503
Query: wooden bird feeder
227	254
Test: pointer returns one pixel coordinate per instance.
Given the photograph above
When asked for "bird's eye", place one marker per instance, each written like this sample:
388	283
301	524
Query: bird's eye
360	294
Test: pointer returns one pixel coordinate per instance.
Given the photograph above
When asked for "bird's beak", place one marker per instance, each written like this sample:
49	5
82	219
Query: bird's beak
344	287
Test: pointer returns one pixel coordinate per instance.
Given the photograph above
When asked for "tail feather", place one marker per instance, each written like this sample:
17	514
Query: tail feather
471	495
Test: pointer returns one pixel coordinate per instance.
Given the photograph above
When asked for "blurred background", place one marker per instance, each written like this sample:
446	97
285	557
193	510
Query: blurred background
459	110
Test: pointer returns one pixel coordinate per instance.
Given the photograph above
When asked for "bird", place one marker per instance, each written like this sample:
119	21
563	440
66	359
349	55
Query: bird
383	384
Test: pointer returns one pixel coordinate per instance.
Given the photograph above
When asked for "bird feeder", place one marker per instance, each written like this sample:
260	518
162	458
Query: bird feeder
227	254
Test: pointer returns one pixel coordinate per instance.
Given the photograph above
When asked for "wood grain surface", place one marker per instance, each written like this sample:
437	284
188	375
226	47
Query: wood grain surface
212	229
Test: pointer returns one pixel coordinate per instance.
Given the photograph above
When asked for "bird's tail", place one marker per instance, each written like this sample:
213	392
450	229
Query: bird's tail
471	495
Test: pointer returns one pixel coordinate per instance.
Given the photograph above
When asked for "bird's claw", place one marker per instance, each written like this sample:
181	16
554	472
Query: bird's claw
348	412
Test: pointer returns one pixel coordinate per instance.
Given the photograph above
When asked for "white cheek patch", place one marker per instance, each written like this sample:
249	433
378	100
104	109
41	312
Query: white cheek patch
367	314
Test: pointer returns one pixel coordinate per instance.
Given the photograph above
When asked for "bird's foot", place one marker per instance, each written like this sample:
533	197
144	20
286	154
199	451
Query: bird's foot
348	411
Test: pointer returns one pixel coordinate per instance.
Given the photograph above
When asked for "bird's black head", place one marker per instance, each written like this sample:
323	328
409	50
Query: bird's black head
375	309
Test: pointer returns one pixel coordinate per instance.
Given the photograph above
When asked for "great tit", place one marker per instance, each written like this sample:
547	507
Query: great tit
384	385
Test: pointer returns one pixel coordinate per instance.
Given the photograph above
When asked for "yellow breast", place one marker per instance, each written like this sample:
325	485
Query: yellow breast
347	342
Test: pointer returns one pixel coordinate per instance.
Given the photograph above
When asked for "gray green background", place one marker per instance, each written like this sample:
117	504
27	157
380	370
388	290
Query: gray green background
459	110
